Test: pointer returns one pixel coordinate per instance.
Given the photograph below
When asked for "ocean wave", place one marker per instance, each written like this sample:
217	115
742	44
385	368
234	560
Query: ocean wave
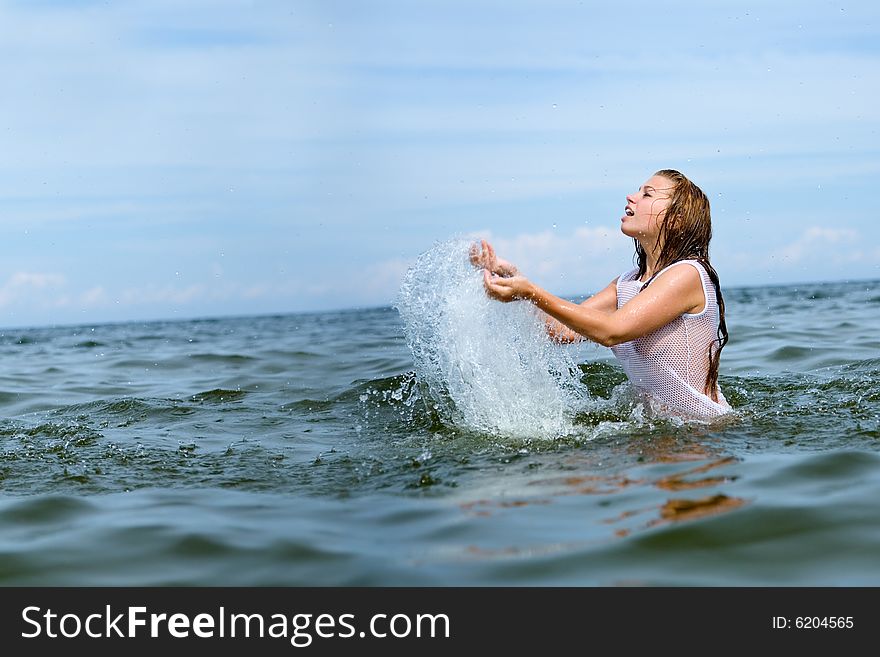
218	396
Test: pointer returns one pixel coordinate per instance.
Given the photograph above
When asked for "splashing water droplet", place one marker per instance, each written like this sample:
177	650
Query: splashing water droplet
483	365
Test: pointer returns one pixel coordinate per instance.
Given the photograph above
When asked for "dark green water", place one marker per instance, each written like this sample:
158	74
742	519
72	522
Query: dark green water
298	450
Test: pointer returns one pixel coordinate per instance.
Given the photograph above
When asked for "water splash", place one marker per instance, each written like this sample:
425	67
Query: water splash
483	365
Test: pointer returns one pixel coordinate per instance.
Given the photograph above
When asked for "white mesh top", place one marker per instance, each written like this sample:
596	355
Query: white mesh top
668	366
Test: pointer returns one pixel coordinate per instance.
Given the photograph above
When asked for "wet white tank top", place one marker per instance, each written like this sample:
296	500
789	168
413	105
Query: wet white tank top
668	366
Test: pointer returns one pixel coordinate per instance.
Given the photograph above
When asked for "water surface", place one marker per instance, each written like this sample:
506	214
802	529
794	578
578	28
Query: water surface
315	449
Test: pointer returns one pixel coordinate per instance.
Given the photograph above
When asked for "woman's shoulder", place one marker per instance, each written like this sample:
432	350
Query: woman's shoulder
675	275
687	281
695	264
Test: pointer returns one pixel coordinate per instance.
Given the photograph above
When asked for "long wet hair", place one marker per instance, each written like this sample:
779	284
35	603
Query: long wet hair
685	233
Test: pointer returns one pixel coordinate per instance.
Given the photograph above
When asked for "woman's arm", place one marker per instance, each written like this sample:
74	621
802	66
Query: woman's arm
673	293
604	301
483	255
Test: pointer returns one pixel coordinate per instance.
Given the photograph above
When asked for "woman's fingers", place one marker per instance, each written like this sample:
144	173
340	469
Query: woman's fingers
497	288
476	256
482	255
489	285
490	259
489	256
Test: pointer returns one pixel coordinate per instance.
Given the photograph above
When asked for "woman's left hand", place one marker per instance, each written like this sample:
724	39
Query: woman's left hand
484	256
506	289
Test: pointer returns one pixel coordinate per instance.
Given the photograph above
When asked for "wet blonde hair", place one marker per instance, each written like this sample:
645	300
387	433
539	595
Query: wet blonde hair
685	233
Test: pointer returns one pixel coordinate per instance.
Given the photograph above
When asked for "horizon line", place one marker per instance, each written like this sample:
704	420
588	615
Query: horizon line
349	309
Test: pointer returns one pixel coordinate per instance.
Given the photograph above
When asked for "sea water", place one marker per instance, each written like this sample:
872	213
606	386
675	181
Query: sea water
440	441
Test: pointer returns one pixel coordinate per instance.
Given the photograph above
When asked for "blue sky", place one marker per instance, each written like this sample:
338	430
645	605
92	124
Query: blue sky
173	159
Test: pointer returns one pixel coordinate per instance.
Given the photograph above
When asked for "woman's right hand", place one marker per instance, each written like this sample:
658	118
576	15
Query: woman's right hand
485	258
507	288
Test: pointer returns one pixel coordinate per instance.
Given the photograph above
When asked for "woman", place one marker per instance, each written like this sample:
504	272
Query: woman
664	320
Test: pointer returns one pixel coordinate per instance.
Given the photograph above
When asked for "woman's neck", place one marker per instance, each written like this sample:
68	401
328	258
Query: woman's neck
651	258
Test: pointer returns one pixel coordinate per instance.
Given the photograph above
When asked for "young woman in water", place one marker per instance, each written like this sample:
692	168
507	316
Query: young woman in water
664	320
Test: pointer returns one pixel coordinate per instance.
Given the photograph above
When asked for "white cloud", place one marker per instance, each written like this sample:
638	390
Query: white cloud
382	280
578	262
815	253
344	286
162	294
24	284
837	245
96	296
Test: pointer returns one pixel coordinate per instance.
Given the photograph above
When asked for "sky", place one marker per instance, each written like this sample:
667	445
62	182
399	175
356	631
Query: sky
168	159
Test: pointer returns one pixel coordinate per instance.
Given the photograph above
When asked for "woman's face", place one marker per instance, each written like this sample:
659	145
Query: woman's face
645	210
